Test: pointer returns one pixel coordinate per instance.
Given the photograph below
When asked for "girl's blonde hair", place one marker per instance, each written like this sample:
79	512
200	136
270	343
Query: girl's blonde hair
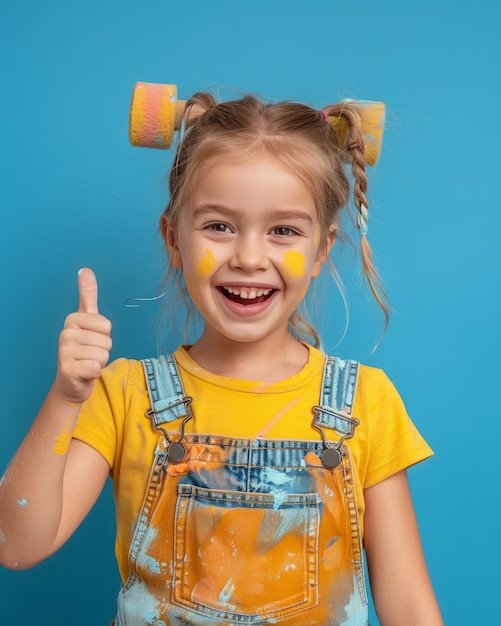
298	137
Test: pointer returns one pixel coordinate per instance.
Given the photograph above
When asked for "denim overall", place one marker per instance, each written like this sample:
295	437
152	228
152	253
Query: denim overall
247	531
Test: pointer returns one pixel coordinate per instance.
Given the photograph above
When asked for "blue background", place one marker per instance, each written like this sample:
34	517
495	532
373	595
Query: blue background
75	193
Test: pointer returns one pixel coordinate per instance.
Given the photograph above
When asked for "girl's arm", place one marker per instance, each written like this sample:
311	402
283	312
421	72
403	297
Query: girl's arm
53	480
400	584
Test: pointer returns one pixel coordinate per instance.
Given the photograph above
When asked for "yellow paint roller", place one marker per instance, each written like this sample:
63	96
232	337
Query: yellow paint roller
155	113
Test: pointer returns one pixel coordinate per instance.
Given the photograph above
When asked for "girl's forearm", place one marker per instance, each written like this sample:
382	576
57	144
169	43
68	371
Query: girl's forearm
41	499
31	491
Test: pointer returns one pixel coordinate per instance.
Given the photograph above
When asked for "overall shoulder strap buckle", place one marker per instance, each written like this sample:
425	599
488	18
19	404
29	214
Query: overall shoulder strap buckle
165	389
168	403
336	403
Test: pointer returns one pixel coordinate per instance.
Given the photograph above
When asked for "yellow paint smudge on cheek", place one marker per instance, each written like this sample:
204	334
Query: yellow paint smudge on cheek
206	264
293	264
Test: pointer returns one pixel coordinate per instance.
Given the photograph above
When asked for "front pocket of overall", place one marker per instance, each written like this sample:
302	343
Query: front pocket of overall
242	556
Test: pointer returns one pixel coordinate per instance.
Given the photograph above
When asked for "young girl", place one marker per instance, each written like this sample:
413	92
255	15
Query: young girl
250	470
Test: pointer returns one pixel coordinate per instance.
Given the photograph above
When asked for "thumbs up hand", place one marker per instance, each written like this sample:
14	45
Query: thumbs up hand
87	291
84	344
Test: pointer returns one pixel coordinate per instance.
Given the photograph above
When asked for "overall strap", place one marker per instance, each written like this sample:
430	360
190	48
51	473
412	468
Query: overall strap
167	397
337	395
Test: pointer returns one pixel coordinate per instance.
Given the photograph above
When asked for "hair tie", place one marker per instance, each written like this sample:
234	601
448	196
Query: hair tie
363	220
324	115
372	116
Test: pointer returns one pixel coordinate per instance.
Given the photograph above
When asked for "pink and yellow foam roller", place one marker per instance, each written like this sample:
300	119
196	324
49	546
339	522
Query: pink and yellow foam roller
155	114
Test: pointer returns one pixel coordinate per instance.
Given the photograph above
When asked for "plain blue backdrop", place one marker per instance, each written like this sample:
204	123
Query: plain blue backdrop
75	193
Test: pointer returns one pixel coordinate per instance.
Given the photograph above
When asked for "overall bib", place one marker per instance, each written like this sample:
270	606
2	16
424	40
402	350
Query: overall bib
247	531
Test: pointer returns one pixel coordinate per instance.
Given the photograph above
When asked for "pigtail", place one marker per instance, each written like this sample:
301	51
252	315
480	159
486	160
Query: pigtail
196	106
357	129
374	281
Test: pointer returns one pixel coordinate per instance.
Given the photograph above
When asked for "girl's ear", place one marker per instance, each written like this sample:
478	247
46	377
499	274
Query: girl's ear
324	251
170	239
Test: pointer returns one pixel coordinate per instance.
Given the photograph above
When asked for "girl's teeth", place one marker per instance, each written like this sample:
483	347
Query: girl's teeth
248	295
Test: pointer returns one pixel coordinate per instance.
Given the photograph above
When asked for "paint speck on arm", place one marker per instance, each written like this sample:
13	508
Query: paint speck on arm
63	440
2	536
62	443
22	503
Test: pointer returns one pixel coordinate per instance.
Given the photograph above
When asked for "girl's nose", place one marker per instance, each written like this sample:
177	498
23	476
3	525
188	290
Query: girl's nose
249	254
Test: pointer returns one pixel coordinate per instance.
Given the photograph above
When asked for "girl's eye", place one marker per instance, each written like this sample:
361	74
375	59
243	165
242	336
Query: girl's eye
219	228
284	231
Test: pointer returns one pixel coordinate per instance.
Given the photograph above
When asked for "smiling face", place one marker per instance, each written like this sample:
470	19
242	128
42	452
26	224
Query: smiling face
248	244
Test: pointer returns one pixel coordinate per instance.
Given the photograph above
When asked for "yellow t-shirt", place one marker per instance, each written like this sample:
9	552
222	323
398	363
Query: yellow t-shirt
113	422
